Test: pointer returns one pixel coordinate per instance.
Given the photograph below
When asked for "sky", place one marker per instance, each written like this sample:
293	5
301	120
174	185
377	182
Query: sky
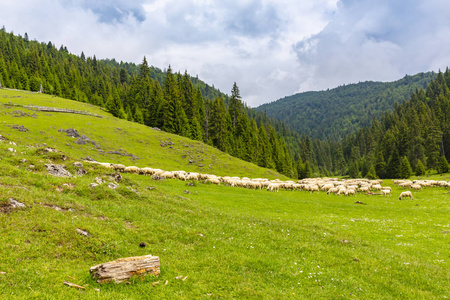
270	48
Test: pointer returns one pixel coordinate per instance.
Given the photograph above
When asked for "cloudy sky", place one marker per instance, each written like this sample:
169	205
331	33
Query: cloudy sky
270	48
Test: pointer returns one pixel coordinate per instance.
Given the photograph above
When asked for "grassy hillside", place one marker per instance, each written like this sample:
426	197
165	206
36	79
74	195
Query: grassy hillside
343	110
231	243
116	140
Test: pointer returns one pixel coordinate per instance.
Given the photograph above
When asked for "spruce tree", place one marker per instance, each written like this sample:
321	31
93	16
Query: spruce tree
300	169
353	170
219	129
265	158
174	117
235	107
405	168
307	173
394	165
380	166
371	174
443	165
420	168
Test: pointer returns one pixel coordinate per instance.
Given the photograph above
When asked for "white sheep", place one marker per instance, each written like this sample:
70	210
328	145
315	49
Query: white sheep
118	167
272	187
364	188
350	192
213	180
132	169
341	191
405	194
386	192
405	184
416	186
377	187
332	190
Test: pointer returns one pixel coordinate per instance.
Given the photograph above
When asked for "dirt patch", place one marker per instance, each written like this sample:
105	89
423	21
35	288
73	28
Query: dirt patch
11	205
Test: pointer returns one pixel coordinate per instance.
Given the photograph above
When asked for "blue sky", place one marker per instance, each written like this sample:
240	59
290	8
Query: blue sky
270	48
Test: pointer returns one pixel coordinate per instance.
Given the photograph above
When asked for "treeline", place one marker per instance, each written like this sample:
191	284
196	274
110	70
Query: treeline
343	110
175	102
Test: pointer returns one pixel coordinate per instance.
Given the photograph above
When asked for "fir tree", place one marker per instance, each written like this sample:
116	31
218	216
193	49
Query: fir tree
380	166
265	159
394	165
420	168
371	174
174	117
443	165
219	129
353	170
307	173
114	105
235	107
300	168
405	168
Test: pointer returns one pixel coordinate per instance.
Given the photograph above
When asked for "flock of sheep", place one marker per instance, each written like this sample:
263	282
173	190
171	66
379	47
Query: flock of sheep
328	185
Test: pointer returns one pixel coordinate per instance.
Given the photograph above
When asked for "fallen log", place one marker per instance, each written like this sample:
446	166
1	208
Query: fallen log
123	269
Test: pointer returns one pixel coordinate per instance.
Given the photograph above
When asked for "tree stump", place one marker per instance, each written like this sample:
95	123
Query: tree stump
124	268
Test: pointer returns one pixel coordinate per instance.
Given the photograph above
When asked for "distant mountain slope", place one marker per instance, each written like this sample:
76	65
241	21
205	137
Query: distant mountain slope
340	111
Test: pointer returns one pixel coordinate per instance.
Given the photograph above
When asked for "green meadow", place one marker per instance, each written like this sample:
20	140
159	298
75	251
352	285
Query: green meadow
228	243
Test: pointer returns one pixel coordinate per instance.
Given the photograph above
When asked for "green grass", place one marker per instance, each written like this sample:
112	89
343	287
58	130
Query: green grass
232	243
112	134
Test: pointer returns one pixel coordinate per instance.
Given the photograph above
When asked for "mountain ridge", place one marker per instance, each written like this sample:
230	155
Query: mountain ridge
342	110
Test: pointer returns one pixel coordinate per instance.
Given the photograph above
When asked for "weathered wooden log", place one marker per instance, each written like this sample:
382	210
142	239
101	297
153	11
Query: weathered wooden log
124	268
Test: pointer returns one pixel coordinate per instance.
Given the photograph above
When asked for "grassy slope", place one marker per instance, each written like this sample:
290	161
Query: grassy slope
114	134
230	242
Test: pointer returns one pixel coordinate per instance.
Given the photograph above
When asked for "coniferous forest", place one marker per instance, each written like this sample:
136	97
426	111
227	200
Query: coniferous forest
412	138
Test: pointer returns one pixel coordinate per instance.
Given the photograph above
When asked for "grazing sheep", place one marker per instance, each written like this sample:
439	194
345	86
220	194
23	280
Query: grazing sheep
376	187
168	174
332	190
405	194
364	189
341	191
273	187
106	165
350	192
147	171
405	184
213	180
416	186
132	169
327	187
313	188
193	176
386	192
118	167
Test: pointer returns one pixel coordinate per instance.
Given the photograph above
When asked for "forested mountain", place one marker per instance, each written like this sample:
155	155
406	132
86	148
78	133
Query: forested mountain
414	137
174	102
343	110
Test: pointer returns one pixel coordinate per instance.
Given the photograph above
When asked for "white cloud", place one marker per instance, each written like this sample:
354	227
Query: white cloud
270	48
382	40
